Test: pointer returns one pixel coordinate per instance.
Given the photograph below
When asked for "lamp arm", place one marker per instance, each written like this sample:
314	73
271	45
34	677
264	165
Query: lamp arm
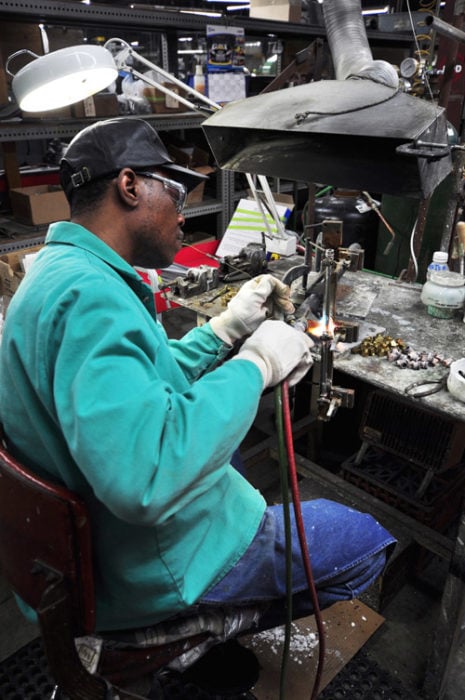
162	88
122	62
15	55
175	80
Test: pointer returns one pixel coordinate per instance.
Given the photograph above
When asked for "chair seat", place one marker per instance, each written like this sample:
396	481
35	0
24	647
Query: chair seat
176	643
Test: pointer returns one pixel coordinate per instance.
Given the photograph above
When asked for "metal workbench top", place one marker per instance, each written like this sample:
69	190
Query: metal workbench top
383	304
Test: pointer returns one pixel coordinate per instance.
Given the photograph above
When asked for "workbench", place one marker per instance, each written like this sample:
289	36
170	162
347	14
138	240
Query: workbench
379	304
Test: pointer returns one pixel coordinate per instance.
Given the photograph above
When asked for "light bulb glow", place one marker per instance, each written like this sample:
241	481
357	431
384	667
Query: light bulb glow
63	77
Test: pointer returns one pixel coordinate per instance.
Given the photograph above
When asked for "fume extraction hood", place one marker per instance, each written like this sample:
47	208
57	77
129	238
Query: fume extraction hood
359	130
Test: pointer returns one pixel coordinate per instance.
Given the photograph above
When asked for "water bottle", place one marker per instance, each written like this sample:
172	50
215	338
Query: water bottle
438	264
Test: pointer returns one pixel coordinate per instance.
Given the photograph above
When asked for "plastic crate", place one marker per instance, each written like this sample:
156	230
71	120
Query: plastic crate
417	435
395	481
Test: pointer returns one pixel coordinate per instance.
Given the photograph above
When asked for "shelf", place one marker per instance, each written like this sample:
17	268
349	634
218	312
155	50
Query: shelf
72	13
23	130
21	236
208	206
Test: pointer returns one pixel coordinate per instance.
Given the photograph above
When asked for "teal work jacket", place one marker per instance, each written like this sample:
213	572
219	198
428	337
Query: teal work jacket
94	395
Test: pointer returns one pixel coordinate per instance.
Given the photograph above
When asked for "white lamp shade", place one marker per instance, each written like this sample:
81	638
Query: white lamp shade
62	77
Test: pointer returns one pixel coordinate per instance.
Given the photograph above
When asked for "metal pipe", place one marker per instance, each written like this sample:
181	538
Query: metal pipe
328	266
348	43
445	28
326	370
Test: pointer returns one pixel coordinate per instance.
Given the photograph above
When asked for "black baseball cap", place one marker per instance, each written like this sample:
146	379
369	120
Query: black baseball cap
108	146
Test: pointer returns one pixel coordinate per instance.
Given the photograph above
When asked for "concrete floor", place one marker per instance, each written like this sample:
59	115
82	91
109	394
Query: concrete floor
401	645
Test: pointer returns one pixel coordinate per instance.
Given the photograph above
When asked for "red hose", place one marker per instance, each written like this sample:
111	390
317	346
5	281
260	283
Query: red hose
302	537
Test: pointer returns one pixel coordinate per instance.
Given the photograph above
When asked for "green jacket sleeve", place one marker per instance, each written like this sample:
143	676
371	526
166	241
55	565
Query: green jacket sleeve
118	378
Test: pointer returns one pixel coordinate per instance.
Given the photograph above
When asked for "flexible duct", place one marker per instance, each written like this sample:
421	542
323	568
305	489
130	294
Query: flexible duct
348	43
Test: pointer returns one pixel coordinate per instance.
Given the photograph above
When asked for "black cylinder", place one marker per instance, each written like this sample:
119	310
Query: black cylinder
357	227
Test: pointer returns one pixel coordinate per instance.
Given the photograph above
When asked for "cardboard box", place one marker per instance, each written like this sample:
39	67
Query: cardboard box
188	156
279	10
104	104
161	103
15	36
196	195
12	270
40	204
195	158
59	114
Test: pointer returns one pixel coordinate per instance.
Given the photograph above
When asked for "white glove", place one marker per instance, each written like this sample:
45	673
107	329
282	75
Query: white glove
279	351
259	298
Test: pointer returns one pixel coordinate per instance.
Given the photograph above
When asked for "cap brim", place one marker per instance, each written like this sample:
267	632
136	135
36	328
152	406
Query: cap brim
189	178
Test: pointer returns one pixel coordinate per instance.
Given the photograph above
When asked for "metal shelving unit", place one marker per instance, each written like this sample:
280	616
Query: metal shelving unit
167	22
19	130
72	13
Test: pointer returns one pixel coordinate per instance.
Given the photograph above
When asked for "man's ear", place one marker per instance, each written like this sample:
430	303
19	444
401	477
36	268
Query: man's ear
128	186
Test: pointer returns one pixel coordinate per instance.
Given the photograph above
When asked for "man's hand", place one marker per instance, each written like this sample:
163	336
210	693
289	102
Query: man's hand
260	298
279	351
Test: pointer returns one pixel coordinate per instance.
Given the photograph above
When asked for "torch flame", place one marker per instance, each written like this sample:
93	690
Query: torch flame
318	328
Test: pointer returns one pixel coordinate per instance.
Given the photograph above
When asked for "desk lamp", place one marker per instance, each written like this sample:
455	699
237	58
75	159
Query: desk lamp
62	77
69	75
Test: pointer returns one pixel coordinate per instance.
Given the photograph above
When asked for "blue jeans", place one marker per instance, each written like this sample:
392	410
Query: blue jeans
348	551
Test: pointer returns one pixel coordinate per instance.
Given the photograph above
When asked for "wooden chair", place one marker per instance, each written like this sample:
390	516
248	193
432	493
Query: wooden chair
46	556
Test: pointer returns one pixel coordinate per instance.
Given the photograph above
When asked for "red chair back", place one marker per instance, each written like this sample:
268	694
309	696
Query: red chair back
45	537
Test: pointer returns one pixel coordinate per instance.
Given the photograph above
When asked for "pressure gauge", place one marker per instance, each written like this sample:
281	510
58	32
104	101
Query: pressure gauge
409	68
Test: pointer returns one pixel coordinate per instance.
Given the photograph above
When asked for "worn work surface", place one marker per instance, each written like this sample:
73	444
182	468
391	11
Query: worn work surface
348	625
397	308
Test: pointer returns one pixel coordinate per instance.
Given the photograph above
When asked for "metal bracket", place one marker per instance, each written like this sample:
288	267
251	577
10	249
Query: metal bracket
423	149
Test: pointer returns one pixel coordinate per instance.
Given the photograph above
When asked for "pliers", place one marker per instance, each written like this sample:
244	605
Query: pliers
430	386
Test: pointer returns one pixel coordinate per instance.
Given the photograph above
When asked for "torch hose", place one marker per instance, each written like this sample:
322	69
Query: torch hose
288	464
283	469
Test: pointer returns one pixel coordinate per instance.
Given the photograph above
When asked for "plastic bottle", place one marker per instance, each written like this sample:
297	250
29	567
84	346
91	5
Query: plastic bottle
443	293
199	79
438	264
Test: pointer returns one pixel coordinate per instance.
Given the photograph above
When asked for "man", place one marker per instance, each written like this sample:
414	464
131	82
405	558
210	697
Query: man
94	395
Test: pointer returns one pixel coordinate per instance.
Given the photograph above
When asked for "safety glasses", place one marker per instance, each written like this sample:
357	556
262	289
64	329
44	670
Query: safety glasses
176	190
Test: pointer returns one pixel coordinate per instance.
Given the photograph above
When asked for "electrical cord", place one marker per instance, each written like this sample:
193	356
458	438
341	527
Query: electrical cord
287	464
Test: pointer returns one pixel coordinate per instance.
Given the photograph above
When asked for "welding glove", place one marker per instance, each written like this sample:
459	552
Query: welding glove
259	298
279	351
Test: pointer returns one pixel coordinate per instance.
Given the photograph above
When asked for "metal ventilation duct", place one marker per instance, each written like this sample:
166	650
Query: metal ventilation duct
357	131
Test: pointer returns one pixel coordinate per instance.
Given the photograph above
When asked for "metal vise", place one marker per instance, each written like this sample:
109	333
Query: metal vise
197	280
250	261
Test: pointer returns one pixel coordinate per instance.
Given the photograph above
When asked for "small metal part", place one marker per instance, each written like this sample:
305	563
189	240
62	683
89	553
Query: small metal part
402	355
346	332
217	295
197	280
355	259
